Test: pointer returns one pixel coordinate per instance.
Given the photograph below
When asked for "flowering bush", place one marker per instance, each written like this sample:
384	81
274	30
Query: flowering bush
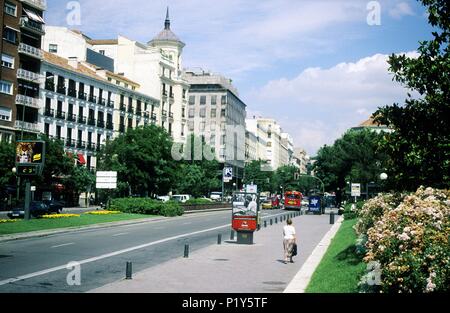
103	212
54	216
411	241
7	221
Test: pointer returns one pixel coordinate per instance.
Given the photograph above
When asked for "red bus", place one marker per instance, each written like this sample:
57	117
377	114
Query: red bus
293	200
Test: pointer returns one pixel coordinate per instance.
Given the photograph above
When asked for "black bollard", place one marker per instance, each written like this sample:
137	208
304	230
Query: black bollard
186	251
232	235
129	271
219	239
332	218
271	222
276	220
265	224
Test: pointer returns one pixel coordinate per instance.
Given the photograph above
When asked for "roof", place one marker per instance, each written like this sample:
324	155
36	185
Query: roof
103	42
370	123
166	34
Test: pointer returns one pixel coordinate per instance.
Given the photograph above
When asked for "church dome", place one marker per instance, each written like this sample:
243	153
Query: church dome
166	35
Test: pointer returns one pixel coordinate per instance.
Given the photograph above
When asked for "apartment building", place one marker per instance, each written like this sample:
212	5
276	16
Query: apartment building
301	160
155	66
258	133
22	29
85	105
216	112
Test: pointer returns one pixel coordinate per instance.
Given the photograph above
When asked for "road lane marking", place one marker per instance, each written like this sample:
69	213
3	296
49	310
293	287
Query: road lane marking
188	223
121	234
63	245
108	255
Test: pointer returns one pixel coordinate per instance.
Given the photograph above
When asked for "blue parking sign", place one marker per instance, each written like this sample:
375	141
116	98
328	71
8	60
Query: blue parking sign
315	204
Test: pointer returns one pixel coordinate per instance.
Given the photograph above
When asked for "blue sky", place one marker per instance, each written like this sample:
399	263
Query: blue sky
316	66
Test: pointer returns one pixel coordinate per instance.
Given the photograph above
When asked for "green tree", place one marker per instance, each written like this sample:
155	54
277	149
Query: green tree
142	157
7	163
419	148
263	179
80	180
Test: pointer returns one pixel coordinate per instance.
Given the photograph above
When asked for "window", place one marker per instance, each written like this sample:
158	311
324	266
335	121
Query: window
212	140
7	61
191	100
47	129
102	52
191	125
52	48
6	87
213	100
202	126
5	114
213	126
202	100
10	9
213	113
224	100
223	113
191	113
203	112
10	35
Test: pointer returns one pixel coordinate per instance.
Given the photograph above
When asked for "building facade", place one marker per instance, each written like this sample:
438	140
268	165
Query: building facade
216	112
22	29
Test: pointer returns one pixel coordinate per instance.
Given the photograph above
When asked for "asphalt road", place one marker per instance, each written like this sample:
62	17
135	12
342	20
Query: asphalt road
39	264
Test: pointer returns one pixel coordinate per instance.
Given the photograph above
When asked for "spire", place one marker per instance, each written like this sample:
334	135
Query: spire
167	22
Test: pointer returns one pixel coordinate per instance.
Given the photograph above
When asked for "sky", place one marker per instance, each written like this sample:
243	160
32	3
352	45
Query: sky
319	67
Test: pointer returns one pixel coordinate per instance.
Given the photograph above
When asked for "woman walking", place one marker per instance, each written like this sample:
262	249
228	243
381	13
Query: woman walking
288	241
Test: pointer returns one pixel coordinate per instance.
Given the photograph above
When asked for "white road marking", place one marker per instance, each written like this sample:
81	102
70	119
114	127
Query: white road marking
188	223
121	234
108	255
63	245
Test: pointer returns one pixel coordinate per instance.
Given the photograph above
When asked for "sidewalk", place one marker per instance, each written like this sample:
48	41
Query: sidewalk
232	268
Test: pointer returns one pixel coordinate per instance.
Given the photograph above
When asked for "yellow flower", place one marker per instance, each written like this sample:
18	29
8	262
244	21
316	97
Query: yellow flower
55	216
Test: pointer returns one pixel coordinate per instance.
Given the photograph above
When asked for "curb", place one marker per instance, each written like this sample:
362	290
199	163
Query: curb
300	282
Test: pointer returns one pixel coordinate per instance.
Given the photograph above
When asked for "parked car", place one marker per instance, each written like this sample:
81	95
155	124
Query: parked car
275	202
267	204
54	205
37	208
181	198
216	196
163	198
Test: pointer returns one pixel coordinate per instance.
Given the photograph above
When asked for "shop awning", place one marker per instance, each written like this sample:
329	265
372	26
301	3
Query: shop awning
34	16
81	159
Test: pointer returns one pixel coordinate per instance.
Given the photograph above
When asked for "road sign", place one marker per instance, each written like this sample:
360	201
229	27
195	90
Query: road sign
314	204
356	190
251	189
227	174
106	180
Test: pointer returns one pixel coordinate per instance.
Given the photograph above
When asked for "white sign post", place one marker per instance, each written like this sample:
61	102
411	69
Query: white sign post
106	180
251	189
227	174
356	190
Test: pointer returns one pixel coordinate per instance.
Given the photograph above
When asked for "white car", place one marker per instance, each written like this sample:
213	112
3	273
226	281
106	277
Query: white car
181	198
216	196
163	198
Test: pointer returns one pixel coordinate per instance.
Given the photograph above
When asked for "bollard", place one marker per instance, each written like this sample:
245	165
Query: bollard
186	251
265	224
129	271
332	218
276	220
232	235
219	239
271	222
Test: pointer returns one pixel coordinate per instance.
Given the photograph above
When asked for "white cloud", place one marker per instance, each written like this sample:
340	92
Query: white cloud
324	103
401	9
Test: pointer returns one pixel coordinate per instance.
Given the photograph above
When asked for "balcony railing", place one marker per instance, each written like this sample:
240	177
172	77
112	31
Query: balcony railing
61	90
90	146
171	96
110	104
101	123
91	121
33	127
82	95
122	107
28	101
82	119
32	26
72	93
61	115
50	86
29	76
71	117
98	147
81	144
171	114
71	143
102	101
154	116
31	51
38	4
164	113
130	110
49	112
122	128
109	125
92	98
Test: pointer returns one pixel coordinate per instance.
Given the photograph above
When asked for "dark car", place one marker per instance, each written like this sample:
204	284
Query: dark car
37	208
54	205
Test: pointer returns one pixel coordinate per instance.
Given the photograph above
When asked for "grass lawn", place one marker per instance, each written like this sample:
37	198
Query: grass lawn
341	268
44	224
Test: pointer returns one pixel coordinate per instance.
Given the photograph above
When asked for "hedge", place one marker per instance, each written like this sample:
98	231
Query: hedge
146	206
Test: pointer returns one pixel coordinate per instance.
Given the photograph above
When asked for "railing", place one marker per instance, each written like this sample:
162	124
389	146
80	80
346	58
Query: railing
72	93
30	50
90	146
109	125
102	101
34	127
28	101
50	86
71	143
71	117
154	116
61	115
30	76
32	25
98	147
164	113
49	112
61	90
130	110
82	95
91	121
82	119
92	98
101	124
39	4
110	104
171	96
122	128
122	107
81	144
139	113
171	114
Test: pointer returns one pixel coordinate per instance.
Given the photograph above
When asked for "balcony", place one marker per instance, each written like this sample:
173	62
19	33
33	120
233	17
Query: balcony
101	123
91	121
90	146
31	51
61	115
29	76
171	96
122	107
130	110
49	113
81	144
82	95
71	143
38	4
32	127
50	86
28	101
61	90
164	113
110	104
122	128
32	26
71	117
92	99
171	115
72	93
139	113
154	116
102	101
109	125
98	147
82	120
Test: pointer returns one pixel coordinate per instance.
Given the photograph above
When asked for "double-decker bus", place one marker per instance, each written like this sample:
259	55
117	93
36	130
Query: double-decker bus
293	200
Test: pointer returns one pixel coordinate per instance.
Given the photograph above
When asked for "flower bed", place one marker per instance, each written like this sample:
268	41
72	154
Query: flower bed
8	221
55	216
103	212
409	241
